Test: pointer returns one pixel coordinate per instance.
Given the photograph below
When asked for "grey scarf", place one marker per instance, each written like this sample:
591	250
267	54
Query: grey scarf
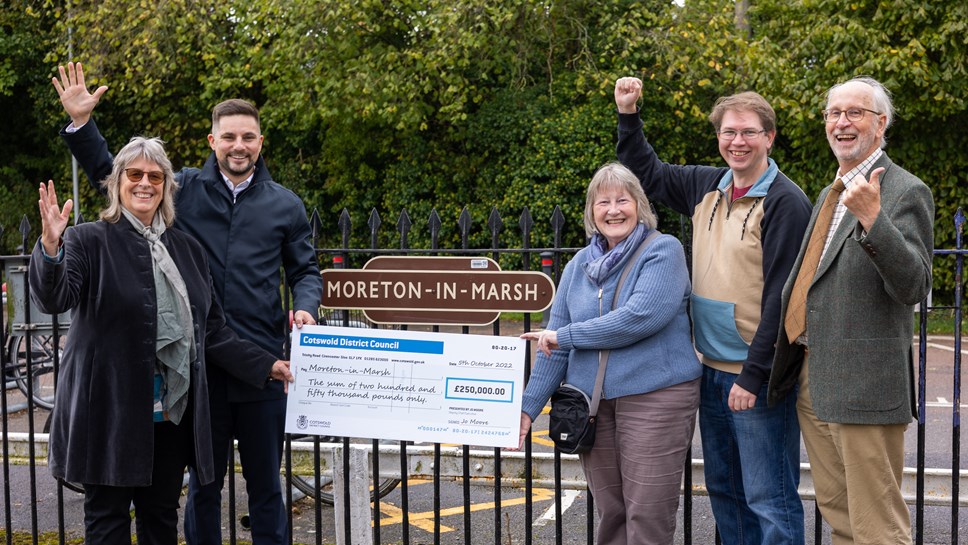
175	343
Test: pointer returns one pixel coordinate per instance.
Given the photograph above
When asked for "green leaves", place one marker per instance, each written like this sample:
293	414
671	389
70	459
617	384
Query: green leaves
447	104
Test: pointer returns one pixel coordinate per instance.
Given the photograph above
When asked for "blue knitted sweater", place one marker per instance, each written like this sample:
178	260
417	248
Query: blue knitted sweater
647	333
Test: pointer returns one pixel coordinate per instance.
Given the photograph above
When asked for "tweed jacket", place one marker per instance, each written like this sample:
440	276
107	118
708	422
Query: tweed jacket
102	429
859	309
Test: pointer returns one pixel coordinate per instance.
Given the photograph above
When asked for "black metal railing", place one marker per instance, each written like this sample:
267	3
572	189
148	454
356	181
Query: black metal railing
34	513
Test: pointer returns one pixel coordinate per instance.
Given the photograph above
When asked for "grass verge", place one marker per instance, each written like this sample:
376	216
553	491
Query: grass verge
941	322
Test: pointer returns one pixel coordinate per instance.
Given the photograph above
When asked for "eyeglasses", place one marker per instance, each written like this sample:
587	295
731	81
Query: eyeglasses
853	114
156	177
749	135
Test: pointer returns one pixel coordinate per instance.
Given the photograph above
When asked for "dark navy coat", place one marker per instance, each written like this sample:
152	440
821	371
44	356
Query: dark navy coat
247	241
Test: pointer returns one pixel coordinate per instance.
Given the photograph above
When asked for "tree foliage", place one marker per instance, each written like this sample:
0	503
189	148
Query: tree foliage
25	151
447	105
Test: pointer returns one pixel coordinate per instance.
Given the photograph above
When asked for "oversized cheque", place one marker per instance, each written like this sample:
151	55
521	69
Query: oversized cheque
406	385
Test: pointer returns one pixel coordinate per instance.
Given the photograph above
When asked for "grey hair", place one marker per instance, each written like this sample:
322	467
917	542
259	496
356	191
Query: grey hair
881	96
150	149
614	175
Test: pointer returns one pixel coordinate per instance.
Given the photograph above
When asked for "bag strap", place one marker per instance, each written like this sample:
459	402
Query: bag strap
603	354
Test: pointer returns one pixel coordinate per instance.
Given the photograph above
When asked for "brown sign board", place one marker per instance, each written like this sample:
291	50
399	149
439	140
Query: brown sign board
441	317
435	290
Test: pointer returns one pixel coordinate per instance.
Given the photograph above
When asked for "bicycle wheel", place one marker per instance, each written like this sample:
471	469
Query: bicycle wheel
323	491
41	366
76	487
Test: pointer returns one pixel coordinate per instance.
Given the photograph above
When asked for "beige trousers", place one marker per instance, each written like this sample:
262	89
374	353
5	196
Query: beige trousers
857	476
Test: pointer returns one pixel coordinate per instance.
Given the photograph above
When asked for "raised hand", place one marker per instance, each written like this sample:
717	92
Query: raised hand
77	100
53	218
627	93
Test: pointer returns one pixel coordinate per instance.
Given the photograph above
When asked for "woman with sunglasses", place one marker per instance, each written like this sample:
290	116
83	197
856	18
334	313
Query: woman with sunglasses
131	409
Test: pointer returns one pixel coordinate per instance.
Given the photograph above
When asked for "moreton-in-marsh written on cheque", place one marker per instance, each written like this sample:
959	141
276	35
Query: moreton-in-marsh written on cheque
406	385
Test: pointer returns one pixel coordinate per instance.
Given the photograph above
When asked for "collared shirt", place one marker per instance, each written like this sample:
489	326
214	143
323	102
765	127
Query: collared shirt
236	189
860	170
54	258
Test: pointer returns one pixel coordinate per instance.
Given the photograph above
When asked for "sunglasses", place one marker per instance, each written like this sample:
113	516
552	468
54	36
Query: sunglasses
136	175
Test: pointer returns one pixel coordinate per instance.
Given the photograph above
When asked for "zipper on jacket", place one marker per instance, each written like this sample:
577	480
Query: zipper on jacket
729	208
712	215
600	315
747	218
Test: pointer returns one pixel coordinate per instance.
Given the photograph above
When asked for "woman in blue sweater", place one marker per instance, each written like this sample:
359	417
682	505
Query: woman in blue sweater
650	394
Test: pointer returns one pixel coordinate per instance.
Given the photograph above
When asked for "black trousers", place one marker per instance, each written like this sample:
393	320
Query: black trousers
107	518
259	427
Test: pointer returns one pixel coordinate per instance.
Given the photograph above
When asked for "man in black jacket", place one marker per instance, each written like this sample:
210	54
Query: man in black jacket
250	226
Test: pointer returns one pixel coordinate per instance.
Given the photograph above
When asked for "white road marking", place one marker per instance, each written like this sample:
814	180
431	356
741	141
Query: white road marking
945	348
568	498
943	404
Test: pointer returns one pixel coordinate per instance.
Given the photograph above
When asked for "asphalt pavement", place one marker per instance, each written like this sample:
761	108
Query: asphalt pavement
34	502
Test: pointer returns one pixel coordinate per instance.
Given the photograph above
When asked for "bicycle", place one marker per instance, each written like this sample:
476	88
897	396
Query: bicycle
30	336
42	353
323	491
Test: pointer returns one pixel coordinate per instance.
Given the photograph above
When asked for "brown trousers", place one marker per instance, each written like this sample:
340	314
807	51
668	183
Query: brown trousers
634	471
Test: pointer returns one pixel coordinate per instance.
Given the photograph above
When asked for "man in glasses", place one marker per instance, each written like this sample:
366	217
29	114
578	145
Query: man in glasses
846	332
250	226
747	222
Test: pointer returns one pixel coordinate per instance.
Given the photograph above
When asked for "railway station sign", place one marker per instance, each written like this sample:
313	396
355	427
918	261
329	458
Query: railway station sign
435	290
